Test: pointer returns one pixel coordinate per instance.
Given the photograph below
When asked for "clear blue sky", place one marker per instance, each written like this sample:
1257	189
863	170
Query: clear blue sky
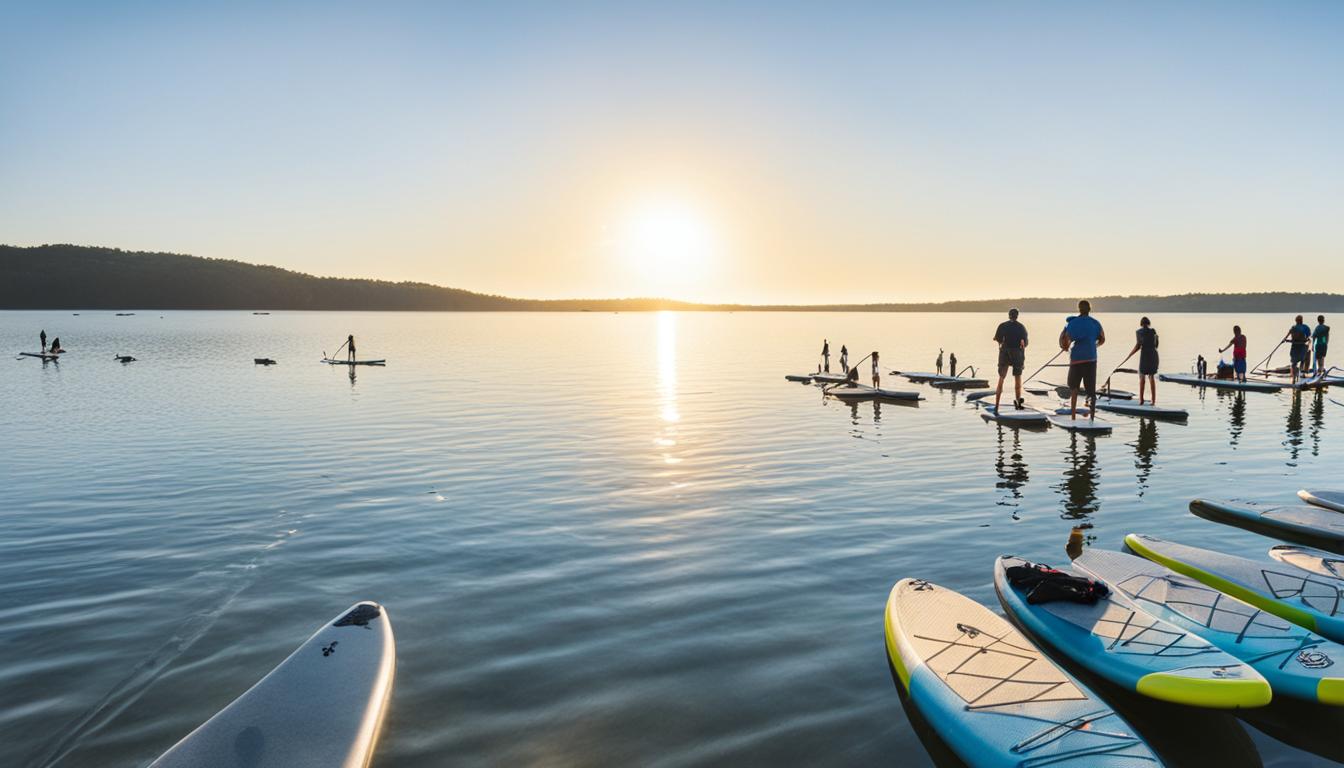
720	151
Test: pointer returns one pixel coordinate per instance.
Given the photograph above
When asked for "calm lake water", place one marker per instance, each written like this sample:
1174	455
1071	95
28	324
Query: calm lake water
602	539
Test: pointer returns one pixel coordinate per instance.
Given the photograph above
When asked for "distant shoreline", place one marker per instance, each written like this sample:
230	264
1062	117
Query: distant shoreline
82	278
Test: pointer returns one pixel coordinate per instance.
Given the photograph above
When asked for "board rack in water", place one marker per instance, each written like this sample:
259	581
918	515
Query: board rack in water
330	361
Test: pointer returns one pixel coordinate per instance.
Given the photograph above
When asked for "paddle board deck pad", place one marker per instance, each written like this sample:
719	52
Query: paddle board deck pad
959	383
1302	524
919	377
329	361
1295	661
992	696
1135	650
1129	408
1083	423
865	392
1309	600
322	706
1007	414
1324	499
1310	560
827	378
1195	381
804	378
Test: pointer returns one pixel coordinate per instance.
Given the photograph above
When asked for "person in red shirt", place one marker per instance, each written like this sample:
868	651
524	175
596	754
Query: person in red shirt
1238	345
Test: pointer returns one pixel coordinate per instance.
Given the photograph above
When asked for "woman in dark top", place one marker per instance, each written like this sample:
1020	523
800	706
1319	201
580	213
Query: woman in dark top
1145	343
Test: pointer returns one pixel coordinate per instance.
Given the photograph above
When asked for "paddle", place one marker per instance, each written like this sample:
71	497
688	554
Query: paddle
1047	365
1107	386
1261	364
846	382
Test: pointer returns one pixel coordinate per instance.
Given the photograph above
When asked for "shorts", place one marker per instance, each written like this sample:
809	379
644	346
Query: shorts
1084	374
1011	358
1148	362
1320	352
1298	353
1239	365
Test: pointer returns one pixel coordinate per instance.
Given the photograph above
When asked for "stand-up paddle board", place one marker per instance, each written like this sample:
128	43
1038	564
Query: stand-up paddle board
1243	386
804	378
919	377
1310	560
1302	524
990	694
1292	659
1130	408
1084	423
828	378
1115	394
958	383
1133	649
1309	600
1007	414
865	392
43	356
330	361
321	707
1325	499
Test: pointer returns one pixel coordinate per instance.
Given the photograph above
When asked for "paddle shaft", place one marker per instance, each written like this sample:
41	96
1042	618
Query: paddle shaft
1047	365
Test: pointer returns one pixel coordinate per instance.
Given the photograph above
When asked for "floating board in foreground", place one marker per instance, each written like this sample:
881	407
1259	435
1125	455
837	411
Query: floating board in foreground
1129	408
1303	524
804	378
1135	650
865	392
1083	423
990	694
321	707
1195	381
330	361
1007	414
1295	661
1325	499
1306	599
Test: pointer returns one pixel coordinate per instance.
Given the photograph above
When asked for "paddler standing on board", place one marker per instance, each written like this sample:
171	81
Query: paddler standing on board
1298	336
940	361
350	348
1238	345
43	337
1321	336
844	359
826	355
877	375
1012	338
1085	334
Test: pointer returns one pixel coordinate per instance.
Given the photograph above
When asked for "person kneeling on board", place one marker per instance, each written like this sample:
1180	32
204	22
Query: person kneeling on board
1238	345
1082	335
1012	338
56	346
1145	343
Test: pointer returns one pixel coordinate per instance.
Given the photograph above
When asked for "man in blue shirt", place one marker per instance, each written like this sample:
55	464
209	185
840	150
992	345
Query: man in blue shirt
1085	334
1298	337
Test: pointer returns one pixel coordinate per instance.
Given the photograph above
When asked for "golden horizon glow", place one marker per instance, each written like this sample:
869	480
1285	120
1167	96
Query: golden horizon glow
667	244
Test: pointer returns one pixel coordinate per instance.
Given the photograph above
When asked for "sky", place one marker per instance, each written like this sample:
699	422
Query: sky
721	151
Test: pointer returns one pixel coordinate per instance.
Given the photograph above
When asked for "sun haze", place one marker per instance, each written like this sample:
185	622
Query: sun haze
706	151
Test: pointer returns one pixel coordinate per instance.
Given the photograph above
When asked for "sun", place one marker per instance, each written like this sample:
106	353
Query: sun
669	245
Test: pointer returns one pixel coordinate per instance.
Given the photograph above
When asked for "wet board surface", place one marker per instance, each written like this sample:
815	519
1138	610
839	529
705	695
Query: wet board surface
1129	408
1295	661
865	392
1007	413
1310	600
329	361
1310	560
1302	523
1195	381
991	694
1135	650
1085	424
322	707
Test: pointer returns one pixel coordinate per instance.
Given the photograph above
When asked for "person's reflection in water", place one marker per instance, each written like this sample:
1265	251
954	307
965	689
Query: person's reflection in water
352	375
1317	421
1011	468
1079	487
1145	448
1293	439
1237	422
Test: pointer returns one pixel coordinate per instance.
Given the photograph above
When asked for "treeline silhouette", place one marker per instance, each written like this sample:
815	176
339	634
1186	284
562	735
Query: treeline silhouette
82	277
